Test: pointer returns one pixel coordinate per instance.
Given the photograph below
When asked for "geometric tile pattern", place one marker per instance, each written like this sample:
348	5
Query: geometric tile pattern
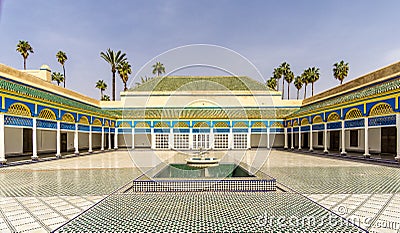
41	197
375	212
187	185
207	212
41	214
340	180
20	183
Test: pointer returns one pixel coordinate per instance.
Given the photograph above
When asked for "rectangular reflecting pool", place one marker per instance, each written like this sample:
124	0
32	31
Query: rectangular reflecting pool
223	170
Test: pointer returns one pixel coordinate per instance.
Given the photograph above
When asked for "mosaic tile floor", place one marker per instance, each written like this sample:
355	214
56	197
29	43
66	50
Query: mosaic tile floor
41	197
207	212
368	195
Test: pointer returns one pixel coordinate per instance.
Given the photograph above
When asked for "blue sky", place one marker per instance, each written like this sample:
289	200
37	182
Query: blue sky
303	33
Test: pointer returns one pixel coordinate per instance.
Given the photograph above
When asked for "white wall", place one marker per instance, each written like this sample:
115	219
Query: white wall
83	140
258	140
13	140
96	140
70	141
125	140
374	138
142	140
46	140
277	140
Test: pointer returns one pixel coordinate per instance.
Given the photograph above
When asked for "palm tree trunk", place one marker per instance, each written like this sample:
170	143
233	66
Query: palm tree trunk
125	88
298	91
113	86
305	91
283	87
101	94
24	63
341	81
288	90
312	89
277	85
64	75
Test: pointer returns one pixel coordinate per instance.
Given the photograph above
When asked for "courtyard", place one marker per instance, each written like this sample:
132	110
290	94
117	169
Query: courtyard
90	193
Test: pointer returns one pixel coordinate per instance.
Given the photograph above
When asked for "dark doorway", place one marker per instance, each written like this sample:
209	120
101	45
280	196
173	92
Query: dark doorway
388	140
289	141
320	138
27	141
305	140
64	143
112	141
106	141
334	140
296	140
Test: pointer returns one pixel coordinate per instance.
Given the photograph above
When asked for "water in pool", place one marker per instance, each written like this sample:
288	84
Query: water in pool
185	171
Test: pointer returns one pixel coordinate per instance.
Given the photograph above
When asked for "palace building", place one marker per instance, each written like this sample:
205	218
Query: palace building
198	112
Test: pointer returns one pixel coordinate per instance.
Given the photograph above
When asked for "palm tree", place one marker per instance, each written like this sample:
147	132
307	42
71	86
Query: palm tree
272	83
114	59
305	79
62	58
58	77
340	71
289	76
124	70
102	86
24	48
314	76
285	69
105	98
298	83
158	68
277	74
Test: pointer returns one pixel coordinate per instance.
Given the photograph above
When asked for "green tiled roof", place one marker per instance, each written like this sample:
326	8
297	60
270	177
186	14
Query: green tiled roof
174	113
201	83
50	97
350	97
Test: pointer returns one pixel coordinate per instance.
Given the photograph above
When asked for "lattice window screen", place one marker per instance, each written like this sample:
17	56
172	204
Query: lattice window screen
353	114
19	109
381	109
68	118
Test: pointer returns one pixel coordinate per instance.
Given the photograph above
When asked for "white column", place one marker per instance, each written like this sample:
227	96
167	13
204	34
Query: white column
34	140
248	138
286	138
212	138
153	139
102	138
190	138
171	138
366	138
398	137
311	139
292	139
299	137
133	138
343	139
116	138
268	135
326	138
230	139
109	138
90	139
58	153
3	159
76	139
